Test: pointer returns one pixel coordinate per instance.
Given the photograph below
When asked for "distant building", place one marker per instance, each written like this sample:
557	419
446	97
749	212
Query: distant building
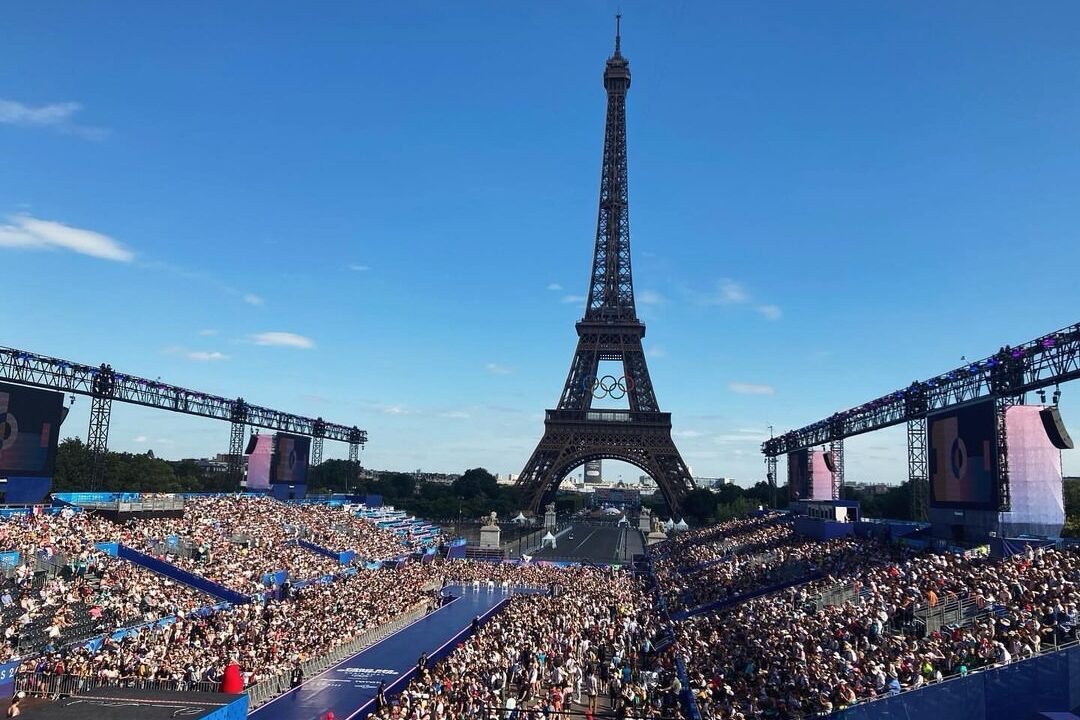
713	483
619	498
879	488
436	478
217	464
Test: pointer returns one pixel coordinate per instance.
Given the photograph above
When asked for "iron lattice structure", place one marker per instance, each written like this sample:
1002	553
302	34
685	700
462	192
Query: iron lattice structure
1001	407
1003	377
610	330
102	388
836	447
918	468
104	385
770	474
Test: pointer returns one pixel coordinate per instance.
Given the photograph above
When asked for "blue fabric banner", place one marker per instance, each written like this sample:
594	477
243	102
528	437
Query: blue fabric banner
7	678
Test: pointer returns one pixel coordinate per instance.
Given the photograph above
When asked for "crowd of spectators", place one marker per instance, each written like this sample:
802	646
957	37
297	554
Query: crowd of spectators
784	655
63	588
234	540
588	646
263	638
583	639
739	572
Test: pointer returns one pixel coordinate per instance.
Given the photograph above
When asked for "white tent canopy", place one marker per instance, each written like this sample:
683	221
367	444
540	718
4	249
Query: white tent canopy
669	525
548	539
520	518
681	525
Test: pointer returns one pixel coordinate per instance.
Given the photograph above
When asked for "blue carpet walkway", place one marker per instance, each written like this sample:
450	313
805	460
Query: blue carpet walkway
348	688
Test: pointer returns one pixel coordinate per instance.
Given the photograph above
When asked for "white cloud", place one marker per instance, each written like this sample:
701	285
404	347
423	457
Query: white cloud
751	389
771	312
555	287
650	297
574	299
656	351
208	332
252	299
688	434
57	116
139	439
359	268
496	369
730	292
457	415
33	234
283	339
206	356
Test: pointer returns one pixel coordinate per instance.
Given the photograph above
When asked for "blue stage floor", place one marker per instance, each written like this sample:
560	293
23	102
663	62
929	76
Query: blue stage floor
348	688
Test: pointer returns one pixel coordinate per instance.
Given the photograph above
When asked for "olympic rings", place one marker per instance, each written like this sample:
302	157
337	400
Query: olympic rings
611	387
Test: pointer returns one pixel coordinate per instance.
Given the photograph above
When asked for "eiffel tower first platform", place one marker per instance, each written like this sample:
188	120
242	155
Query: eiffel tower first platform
575	432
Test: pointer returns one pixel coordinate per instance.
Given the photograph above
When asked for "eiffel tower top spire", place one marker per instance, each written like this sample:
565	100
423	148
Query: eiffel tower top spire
611	288
618	34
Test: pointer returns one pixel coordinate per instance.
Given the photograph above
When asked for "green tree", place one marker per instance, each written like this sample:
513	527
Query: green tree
699	505
475	482
397	485
73	463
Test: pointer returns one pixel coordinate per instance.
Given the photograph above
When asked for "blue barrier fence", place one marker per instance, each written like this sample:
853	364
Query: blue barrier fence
318	549
1048	683
739	599
182	576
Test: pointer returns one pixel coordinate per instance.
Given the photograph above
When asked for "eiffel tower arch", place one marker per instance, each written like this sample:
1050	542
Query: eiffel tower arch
610	331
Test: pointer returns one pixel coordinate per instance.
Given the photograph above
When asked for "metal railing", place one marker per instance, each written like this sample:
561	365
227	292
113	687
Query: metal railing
954	612
56	686
266	690
169	503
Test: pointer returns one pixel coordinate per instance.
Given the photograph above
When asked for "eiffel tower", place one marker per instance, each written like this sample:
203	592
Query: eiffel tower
575	432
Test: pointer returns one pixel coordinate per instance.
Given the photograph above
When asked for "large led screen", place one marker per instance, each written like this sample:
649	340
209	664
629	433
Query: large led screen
963	457
797	464
290	464
29	430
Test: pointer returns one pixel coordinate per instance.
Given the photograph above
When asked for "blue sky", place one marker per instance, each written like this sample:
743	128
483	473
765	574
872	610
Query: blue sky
383	213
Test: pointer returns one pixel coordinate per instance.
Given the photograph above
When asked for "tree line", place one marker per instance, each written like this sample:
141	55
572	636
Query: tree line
471	497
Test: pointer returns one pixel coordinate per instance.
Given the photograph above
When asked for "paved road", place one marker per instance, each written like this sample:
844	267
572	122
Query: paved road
596	543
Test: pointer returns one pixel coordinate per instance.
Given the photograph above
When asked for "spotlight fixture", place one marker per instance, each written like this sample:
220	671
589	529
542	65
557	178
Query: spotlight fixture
1042	396
1057	395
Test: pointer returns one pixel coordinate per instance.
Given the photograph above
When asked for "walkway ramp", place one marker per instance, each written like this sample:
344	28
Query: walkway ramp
348	688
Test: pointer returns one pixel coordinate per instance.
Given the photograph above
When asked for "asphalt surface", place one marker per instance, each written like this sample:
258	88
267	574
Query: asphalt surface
596	543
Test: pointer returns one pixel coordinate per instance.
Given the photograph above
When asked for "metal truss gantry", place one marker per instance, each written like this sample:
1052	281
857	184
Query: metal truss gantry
104	385
1004	377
